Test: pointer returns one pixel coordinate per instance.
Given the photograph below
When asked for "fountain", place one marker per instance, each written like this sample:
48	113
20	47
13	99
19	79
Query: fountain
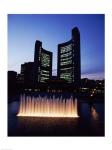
31	106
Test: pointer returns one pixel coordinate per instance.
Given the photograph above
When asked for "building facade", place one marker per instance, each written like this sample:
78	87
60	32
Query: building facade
42	63
69	65
27	73
12	80
12	76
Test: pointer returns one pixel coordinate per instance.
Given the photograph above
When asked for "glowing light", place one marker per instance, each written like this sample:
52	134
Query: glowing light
94	113
44	107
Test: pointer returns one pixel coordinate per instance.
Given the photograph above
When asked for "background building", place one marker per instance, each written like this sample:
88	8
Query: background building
12	78
42	63
69	65
27	72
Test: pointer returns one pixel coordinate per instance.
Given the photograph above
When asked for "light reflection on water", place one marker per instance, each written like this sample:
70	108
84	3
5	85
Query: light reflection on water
41	123
91	122
94	113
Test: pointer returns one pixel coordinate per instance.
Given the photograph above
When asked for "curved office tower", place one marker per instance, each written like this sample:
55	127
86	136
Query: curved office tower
42	63
69	67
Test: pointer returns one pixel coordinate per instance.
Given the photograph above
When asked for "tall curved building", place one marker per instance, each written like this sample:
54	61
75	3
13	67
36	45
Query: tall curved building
69	64
42	63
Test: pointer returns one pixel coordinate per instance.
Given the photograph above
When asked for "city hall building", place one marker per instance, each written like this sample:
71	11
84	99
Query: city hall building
38	74
69	65
42	63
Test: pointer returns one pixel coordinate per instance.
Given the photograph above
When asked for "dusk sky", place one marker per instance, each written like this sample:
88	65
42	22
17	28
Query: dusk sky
24	30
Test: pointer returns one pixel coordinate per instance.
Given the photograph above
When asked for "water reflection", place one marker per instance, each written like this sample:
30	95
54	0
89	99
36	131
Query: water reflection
94	113
47	126
90	123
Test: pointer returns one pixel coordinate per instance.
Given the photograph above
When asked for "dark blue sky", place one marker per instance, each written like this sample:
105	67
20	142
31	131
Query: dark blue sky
24	30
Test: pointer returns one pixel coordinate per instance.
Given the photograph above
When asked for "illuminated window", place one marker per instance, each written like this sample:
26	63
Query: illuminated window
45	62
66	76
66	68
66	48
66	55
66	59
66	63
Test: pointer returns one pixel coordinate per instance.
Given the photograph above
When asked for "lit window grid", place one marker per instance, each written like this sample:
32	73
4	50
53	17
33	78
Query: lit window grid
44	74
66	59
45	60
66	63
42	79
66	55
45	71
62	69
68	78
66	48
66	75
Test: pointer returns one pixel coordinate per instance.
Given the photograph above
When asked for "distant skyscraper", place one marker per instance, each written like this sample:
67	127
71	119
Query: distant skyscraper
42	63
69	65
27	72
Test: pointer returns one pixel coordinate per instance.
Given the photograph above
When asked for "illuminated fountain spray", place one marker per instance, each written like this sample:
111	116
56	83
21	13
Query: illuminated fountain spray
47	107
